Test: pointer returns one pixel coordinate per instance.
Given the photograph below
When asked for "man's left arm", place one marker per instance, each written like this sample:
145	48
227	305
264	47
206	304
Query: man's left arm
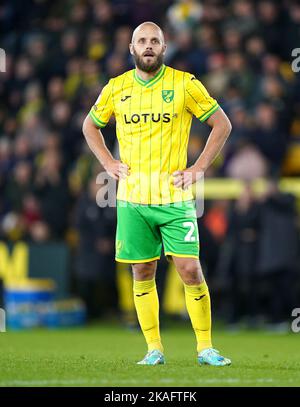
221	128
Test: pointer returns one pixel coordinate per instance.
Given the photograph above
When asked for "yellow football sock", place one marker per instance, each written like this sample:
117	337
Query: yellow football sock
198	306
147	307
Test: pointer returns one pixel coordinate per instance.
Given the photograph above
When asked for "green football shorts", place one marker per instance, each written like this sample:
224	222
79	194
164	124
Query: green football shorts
141	230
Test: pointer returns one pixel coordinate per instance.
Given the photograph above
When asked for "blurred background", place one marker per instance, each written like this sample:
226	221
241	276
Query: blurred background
57	245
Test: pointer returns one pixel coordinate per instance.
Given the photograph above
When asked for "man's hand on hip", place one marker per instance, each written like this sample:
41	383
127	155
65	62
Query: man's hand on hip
185	178
116	169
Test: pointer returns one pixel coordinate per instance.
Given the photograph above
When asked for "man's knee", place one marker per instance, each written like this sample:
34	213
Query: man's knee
144	271
190	272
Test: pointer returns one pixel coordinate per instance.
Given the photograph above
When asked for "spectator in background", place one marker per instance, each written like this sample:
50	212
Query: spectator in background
292	31
239	73
207	39
232	40
240	128
6	161
24	73
103	14
32	134
73	78
62	124
97	47
19	185
269	136
116	64
15	190
33	101
36	50
185	56
255	49
238	260
272	86
242	18
122	39
217	79
278	253
270	24
79	17
22	149
55	89
51	189
36	229
184	15
247	163
94	270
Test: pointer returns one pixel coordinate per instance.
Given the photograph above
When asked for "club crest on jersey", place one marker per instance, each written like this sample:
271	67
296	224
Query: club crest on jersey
167	95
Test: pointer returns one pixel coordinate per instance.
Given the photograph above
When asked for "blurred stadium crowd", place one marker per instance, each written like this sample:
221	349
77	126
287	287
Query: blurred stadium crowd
58	57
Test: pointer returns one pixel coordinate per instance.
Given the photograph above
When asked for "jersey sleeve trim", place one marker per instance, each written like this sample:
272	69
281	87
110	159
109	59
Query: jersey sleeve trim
95	119
207	114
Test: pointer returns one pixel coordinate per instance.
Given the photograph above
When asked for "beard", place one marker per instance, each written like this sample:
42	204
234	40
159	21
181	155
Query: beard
148	67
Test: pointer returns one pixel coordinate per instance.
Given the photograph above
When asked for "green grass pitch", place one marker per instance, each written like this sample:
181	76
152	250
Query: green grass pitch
105	355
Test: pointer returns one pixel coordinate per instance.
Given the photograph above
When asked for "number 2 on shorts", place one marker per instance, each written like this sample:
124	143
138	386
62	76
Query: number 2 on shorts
189	236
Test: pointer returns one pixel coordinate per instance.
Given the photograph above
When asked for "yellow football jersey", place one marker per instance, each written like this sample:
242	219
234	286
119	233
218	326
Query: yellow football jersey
153	121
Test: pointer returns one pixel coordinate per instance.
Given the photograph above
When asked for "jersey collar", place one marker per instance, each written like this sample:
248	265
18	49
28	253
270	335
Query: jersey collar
151	81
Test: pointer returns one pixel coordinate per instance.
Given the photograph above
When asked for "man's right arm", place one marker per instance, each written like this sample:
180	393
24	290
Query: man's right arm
95	141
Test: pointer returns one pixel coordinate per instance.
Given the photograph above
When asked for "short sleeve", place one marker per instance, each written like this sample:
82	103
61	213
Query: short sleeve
103	108
198	100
